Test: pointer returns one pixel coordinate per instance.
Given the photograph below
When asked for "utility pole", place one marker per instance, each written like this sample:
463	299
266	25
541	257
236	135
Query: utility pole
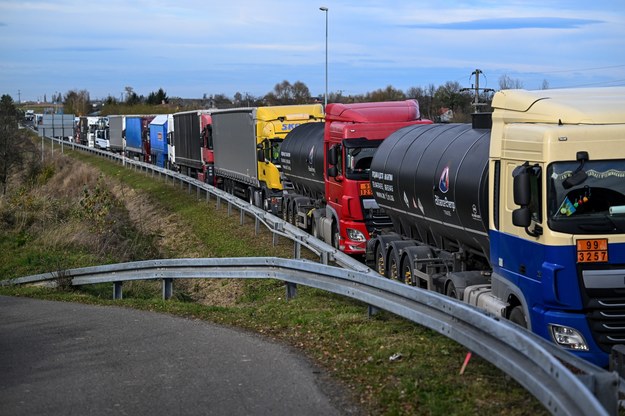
19	97
476	89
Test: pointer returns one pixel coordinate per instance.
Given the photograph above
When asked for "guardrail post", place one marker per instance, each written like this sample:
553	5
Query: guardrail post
372	310
229	208
189	187
291	290
617	359
605	388
168	288
208	196
274	237
242	215
256	225
197	192
297	249
218	203
324	257
117	290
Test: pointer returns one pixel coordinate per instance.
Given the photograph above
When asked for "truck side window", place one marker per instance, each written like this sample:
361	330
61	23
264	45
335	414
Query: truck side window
496	193
536	193
339	163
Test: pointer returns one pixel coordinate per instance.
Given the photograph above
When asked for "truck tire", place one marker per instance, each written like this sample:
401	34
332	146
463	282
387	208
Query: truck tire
335	236
451	290
394	272
314	230
406	272
518	317
250	195
285	210
380	261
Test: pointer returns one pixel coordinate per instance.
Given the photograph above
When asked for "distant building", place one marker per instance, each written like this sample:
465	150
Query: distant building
445	115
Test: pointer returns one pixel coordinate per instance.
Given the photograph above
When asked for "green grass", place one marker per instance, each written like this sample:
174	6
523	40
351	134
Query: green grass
334	331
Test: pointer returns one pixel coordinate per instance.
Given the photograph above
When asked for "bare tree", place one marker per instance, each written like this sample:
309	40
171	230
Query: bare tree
77	102
300	92
507	83
387	94
450	95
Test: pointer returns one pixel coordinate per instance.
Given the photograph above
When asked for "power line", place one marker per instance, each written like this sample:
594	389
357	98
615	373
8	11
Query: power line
579	70
605	83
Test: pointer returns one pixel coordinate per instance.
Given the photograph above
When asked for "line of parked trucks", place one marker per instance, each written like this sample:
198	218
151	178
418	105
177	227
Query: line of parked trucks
521	213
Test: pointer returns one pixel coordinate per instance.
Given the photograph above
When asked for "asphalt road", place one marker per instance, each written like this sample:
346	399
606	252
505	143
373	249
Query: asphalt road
61	358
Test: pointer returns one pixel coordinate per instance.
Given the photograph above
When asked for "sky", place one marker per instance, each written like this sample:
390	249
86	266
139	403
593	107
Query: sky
195	47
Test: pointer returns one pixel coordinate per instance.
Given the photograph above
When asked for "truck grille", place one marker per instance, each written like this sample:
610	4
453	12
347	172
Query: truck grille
607	322
376	219
605	307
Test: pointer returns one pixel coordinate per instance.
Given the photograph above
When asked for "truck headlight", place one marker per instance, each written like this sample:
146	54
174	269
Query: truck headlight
355	235
568	337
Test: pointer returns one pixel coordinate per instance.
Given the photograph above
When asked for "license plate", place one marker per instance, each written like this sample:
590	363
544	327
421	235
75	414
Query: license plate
592	250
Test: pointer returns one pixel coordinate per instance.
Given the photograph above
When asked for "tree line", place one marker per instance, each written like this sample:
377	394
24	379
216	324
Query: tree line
434	101
17	152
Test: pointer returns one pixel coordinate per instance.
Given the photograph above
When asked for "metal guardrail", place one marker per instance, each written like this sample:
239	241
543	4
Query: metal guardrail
277	226
540	366
521	354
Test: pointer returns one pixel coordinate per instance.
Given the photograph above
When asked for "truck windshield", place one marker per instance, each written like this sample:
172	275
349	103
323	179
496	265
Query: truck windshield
595	205
358	156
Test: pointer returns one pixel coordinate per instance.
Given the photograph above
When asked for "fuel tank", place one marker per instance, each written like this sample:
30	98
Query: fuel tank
301	158
432	180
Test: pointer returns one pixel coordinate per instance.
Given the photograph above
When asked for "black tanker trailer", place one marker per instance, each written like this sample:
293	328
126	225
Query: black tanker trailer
301	157
432	181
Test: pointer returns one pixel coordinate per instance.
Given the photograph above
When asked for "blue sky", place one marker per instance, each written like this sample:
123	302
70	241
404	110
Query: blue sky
195	47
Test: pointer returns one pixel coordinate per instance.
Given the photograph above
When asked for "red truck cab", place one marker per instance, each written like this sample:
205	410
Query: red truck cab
351	136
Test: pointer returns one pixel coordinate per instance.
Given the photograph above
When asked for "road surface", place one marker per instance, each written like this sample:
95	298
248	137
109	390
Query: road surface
59	358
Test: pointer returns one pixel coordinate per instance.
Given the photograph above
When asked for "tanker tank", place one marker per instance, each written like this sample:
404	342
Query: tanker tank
301	158
432	180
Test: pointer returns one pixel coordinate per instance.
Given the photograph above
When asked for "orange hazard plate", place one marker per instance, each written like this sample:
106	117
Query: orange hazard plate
592	251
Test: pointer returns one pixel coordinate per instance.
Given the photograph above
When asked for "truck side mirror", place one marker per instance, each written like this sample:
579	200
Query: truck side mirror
521	186
333	171
333	156
521	217
260	154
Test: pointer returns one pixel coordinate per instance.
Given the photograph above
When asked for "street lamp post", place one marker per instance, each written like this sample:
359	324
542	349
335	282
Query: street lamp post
325	100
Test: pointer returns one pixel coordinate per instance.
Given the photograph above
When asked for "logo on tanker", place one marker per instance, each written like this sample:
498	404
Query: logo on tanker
310	160
443	183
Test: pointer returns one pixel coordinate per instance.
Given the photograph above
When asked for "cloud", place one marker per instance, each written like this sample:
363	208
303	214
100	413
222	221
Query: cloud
511	23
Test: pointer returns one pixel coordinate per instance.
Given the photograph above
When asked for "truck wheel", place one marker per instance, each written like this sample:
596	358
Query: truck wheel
451	291
393	269
285	210
314	230
406	272
380	263
250	195
336	237
264	202
518	317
